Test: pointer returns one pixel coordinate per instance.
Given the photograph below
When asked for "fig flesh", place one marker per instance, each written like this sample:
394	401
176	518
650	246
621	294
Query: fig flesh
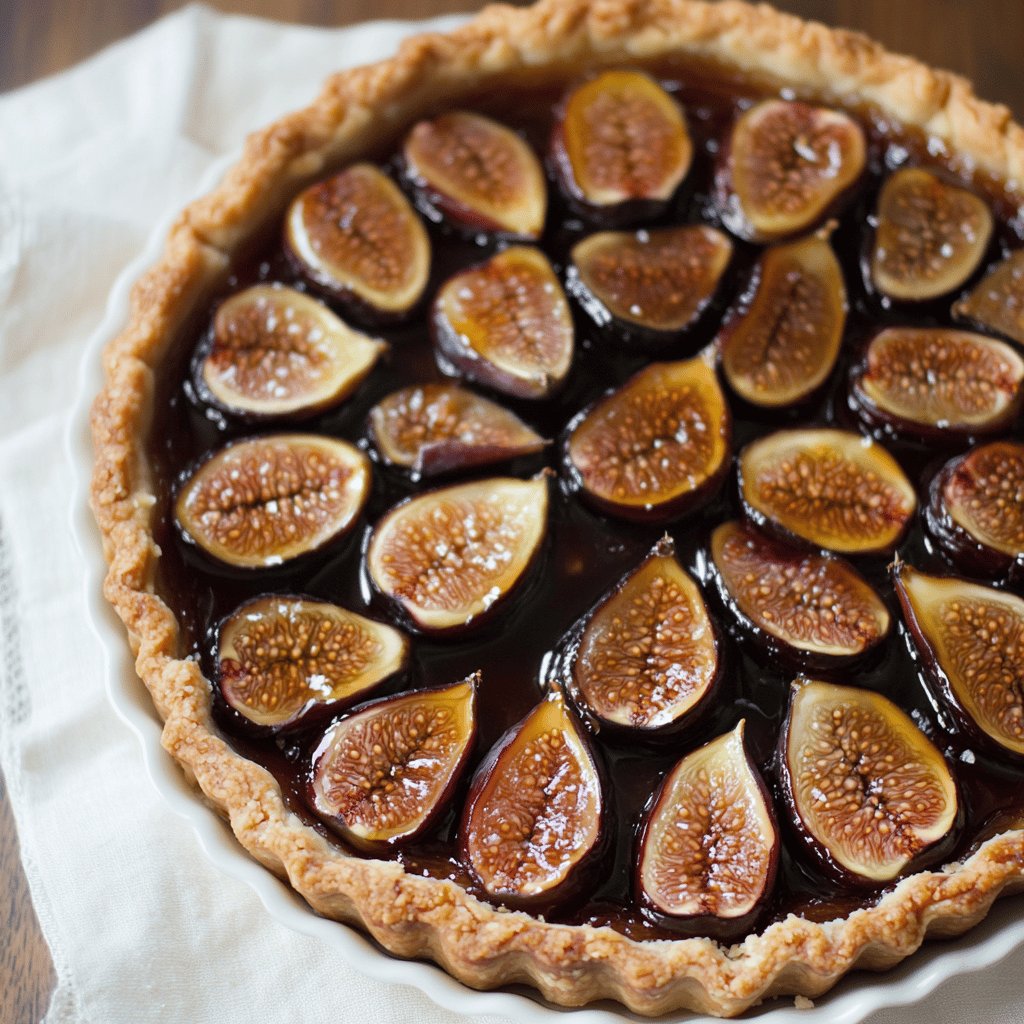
274	353
260	502
996	303
709	851
506	324
805	608
357	238
438	428
971	641
533	828
932	382
658	446
285	662
450	557
620	147
870	794
831	488
930	238
477	174
786	166
782	344
382	775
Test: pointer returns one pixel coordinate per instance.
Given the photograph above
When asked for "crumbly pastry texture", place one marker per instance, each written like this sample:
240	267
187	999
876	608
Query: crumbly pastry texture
357	111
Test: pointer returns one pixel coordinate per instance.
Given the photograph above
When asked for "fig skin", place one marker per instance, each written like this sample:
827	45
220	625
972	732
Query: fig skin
441	799
996	303
507	201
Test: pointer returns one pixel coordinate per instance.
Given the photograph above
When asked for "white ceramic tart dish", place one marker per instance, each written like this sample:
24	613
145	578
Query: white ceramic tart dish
937	856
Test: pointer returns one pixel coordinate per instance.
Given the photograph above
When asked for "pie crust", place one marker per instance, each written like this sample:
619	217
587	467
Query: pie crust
357	111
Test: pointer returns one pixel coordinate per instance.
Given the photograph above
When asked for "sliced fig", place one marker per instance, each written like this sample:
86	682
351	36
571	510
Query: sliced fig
450	557
284	662
786	166
648	659
658	446
806	608
930	238
976	508
506	324
437	428
477	174
649	284
533	828
871	795
274	353
264	501
357	238
620	146
832	488
971	641
932	383
382	775
783	341
709	851
996	303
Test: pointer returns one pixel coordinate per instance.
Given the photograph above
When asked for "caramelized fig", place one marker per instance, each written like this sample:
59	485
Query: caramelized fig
284	662
971	641
533	828
976	508
620	147
782	343
382	775
656	447
274	352
808	609
437	428
786	166
448	558
832	488
266	500
931	383
477	174
997	302
709	851
930	238
648	660
649	284
356	237
506	324
871	795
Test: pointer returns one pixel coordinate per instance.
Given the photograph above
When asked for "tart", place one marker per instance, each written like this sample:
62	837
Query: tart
511	476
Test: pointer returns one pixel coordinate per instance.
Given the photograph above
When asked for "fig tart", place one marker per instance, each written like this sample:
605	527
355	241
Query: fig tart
565	493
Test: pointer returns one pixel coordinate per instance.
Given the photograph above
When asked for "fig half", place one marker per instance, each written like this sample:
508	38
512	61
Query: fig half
448	558
357	238
274	352
932	383
786	166
285	662
658	446
506	324
996	303
930	238
438	428
477	174
267	500
783	341
382	775
805	608
709	851
971	642
832	488
533	828
870	794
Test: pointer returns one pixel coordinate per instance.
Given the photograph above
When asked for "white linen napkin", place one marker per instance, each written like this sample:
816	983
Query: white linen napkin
142	927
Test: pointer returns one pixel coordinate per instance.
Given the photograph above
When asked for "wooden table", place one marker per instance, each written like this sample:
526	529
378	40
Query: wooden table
979	38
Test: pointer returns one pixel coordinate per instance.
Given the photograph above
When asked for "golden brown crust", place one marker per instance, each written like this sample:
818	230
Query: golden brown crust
357	112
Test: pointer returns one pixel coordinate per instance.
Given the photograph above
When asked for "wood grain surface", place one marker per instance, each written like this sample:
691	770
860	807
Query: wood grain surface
978	38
